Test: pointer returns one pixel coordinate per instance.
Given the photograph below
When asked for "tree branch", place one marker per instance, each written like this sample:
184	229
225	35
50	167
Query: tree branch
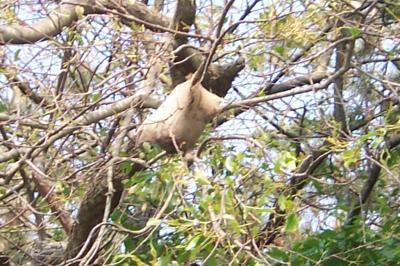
23	86
67	13
373	175
49	27
46	191
142	101
285	93
92	207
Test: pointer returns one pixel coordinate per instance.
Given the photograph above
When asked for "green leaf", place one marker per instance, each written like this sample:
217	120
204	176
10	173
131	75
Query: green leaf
193	243
278	254
235	226
212	261
3	191
282	202
335	262
231	164
58	235
255	60
164	260
376	142
355	32
201	178
96	96
137	260
351	156
280	50
153	222
126	167
153	250
183	257
16	55
130	243
308	247
285	161
292	222
3	107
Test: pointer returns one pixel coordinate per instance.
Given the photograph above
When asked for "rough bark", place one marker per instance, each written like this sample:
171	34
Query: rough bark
46	191
49	27
67	13
90	214
218	78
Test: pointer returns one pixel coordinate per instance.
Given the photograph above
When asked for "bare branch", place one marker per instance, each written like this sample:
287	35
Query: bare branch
88	119
49	27
47	192
67	13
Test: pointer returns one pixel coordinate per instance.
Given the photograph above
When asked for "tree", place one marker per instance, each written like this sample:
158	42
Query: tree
301	167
